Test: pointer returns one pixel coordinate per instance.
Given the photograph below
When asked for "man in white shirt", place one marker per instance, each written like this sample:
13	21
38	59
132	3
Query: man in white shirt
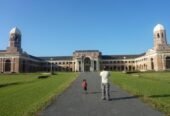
105	84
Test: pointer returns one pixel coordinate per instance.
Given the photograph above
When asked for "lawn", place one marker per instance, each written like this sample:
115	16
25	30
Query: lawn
153	88
26	94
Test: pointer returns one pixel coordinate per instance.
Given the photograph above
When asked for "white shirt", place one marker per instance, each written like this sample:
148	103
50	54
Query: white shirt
104	75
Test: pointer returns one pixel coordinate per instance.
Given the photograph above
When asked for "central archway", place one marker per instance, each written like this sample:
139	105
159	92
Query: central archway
87	64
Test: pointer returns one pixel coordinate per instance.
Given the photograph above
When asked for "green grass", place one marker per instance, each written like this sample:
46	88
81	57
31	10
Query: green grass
25	94
153	88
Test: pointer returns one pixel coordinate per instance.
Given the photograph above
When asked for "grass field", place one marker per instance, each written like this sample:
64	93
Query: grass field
153	88
25	94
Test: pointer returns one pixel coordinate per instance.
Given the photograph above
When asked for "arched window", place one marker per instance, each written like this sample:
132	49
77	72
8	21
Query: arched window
130	68
7	66
162	35
158	35
152	64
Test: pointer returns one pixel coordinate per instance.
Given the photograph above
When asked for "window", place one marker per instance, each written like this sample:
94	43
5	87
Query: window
158	35
162	35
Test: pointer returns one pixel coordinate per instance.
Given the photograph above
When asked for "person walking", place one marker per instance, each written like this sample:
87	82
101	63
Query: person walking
84	85
105	86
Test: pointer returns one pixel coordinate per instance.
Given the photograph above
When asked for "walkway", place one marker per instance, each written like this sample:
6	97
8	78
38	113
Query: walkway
74	102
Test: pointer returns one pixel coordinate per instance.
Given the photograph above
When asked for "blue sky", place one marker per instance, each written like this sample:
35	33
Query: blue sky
59	27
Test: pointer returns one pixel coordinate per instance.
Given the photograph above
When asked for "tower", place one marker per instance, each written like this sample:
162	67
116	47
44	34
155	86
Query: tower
160	41
15	40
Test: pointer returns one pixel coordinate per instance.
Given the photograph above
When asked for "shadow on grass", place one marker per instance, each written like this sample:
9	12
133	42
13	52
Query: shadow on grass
124	98
138	96
43	77
157	96
9	84
17	83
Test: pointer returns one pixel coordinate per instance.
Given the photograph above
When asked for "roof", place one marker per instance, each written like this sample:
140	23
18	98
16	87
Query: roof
121	56
15	30
158	27
2	50
30	56
34	57
57	58
87	51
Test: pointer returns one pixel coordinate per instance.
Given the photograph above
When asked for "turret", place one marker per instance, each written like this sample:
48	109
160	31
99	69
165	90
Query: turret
160	41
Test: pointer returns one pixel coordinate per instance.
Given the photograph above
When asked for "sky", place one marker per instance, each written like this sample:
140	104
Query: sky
59	27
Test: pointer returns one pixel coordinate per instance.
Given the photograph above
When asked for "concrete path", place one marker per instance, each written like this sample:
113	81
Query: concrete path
74	102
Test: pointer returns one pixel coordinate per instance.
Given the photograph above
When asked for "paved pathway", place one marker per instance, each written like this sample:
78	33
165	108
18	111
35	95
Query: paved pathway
73	102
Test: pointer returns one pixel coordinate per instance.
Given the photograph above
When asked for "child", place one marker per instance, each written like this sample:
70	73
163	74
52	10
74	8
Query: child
84	85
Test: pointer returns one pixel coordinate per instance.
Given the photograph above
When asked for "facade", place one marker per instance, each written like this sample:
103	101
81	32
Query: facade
14	60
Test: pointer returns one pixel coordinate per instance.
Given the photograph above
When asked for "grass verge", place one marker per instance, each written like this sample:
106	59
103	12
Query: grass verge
26	94
153	88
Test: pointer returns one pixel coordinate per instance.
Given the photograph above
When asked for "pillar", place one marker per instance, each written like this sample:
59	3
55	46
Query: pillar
98	65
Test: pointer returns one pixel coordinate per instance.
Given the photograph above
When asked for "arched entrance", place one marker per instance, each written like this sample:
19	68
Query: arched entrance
152	64
7	66
168	62
87	64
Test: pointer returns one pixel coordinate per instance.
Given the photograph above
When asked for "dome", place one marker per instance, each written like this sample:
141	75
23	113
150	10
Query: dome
158	27
15	30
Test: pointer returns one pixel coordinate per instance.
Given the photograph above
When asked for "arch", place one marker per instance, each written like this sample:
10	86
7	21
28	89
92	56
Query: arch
152	64
158	35
130	68
87	64
7	66
168	62
122	68
162	35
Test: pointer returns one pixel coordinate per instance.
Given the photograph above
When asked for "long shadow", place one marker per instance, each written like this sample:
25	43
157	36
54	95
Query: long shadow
137	96
164	95
124	98
9	84
97	92
16	83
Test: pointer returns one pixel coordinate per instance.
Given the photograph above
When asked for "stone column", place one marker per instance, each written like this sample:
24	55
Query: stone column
92	65
163	62
82	65
12	64
76	65
98	65
3	65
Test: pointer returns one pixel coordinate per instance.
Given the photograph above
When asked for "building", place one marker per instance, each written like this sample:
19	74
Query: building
14	60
